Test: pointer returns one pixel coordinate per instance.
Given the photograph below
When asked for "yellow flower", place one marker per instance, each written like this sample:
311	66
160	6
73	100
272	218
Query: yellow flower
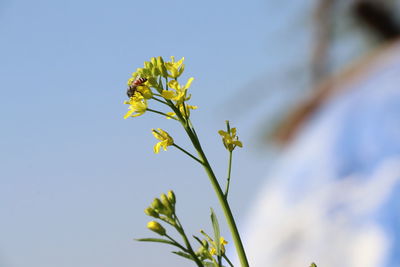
213	248
179	92
175	68
137	105
186	111
145	91
222	243
165	140
230	139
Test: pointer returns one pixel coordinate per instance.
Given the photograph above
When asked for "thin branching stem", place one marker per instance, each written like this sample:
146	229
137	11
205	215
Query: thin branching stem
228	179
227	260
161	113
189	250
159	100
176	243
188	153
220	195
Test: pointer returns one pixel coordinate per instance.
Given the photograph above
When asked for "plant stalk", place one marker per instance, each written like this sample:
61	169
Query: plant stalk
221	198
228	179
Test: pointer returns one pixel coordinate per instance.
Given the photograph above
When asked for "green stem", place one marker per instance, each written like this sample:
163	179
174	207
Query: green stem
222	200
161	113
180	230
227	260
228	179
219	261
159	100
176	243
187	153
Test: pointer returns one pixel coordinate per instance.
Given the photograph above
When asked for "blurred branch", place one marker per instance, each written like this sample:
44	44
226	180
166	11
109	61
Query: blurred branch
323	34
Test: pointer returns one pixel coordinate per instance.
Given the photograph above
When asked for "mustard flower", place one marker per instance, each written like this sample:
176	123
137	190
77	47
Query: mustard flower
175	68
178	93
165	140
137	105
222	243
230	139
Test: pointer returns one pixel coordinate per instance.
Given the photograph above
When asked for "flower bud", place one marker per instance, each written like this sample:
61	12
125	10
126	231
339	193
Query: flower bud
161	67
151	212
205	243
171	197
164	200
168	208
156	227
157	205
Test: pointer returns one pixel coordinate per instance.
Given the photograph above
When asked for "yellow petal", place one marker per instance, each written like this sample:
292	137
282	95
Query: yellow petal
156	148
180	62
168	94
238	143
222	133
174	85
170	114
189	82
128	114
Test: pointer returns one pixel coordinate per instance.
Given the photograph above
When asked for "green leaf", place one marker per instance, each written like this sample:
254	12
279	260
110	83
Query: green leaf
157	240
198	240
313	265
183	254
217	234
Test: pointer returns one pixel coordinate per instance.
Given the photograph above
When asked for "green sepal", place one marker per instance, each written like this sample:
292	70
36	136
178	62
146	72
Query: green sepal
161	67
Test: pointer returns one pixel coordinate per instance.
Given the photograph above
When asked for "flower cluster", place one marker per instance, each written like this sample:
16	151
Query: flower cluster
158	80
162	208
209	247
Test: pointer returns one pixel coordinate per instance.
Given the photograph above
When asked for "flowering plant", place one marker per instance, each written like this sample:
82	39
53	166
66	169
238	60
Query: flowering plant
158	81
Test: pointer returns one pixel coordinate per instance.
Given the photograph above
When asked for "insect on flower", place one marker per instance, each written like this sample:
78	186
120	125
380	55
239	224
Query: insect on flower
133	86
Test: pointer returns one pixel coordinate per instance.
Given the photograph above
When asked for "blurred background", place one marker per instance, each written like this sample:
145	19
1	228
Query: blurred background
75	176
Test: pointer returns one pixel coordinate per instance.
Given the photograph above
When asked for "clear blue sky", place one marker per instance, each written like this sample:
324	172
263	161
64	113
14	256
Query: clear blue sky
74	176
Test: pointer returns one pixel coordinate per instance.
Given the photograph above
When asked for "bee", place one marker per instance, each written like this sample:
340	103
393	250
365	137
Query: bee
132	88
